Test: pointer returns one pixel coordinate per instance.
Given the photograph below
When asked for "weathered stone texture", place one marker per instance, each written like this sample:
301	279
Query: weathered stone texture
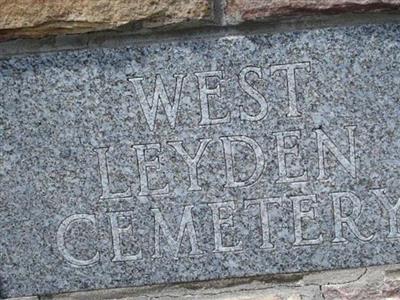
36	18
249	10
375	283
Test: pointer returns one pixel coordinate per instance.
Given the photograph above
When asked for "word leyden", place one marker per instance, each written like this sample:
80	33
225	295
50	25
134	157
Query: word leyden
167	241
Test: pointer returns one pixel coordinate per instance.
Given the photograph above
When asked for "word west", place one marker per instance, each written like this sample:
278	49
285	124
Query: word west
209	85
304	207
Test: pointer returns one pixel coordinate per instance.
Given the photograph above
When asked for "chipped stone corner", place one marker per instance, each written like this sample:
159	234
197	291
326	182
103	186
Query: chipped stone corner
382	282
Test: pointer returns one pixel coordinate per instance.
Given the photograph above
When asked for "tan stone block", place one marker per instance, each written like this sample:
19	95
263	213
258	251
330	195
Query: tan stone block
238	11
34	18
377	283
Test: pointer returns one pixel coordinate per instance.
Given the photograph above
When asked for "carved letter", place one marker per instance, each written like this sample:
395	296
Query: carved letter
252	92
191	162
174	245
299	214
144	165
349	219
391	210
284	151
116	231
64	227
229	160
218	221
326	145
263	204
105	179
206	91
150	106
290	70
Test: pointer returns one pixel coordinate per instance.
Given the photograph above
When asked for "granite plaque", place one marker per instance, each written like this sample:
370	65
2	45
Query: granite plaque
193	160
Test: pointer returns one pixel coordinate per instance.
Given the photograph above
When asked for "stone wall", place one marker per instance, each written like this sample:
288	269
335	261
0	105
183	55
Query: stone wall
36	19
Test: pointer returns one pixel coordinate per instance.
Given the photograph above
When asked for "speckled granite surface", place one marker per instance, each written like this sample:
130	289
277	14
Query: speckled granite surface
266	154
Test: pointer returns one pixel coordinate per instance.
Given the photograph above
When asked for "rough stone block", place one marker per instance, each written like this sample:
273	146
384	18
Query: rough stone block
31	18
238	11
374	283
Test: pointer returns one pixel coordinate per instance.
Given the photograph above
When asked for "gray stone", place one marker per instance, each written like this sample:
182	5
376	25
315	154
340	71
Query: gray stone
98	191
